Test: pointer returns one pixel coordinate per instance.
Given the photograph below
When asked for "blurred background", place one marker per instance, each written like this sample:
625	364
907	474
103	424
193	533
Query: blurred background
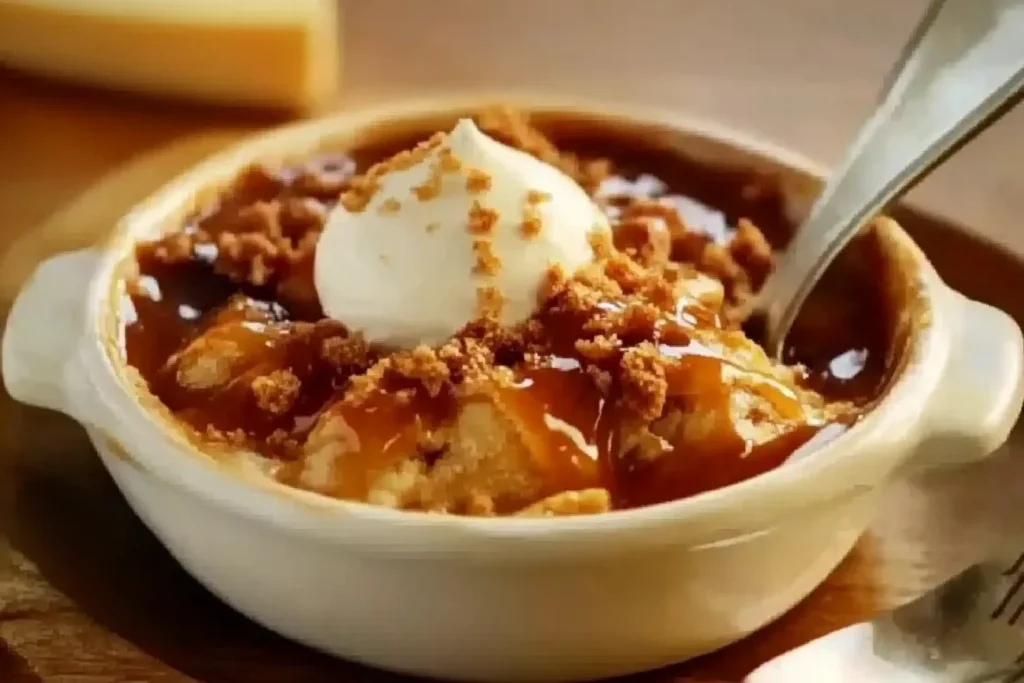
800	72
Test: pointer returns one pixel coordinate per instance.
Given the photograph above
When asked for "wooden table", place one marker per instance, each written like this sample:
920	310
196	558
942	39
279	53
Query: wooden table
87	594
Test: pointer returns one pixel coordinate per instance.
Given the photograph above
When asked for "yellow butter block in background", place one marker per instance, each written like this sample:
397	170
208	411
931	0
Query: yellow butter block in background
267	53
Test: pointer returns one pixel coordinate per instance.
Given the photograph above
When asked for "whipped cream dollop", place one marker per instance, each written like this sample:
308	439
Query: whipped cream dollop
461	228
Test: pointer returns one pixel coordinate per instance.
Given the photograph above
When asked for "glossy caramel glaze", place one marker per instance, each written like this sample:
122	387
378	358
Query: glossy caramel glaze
843	341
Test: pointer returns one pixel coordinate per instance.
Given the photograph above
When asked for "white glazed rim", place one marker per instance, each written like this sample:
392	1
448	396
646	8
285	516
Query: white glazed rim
821	479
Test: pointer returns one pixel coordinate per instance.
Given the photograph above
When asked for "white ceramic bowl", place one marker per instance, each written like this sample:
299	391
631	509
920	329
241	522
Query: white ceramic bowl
510	599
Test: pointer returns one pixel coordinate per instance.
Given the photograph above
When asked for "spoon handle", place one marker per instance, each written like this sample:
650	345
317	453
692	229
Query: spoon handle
962	68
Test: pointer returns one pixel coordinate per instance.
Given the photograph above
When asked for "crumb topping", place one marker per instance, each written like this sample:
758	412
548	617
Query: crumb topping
276	393
477	181
535	197
486	262
489	302
430	188
531	224
481	220
389	206
511	127
448	162
632	352
362	188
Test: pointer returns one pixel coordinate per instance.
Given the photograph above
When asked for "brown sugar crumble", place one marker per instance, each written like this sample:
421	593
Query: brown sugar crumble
430	188
531	225
477	181
489	302
448	162
508	125
487	262
481	220
276	392
362	188
537	197
389	206
632	383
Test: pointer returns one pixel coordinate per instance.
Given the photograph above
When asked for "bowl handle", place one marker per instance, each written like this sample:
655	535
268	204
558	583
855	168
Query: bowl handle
979	398
45	334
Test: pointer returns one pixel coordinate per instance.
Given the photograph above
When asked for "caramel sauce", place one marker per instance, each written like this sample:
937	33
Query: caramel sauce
577	430
380	432
846	329
265	342
573	429
566	421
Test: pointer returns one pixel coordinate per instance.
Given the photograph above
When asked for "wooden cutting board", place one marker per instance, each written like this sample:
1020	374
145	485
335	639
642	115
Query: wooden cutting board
87	594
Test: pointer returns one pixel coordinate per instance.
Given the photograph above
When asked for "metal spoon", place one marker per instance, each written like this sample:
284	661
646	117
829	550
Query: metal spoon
969	630
962	69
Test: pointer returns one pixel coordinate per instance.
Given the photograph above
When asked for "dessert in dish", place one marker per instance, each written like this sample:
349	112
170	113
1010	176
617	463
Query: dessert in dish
489	321
581	596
